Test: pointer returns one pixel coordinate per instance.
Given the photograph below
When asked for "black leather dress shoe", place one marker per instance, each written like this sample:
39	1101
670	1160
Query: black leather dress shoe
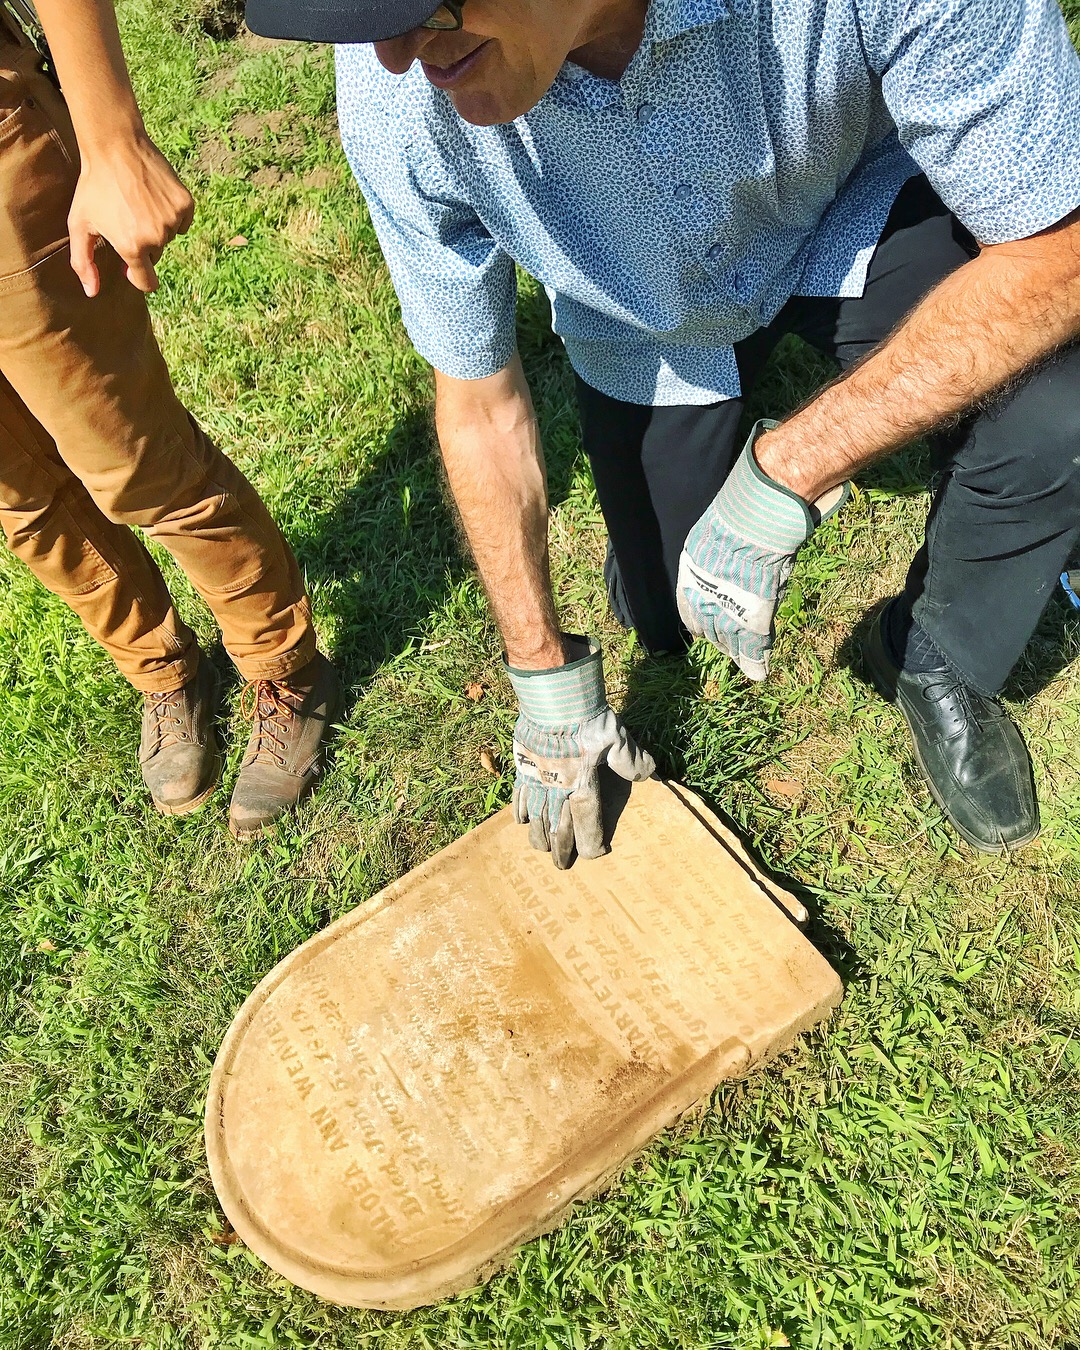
972	756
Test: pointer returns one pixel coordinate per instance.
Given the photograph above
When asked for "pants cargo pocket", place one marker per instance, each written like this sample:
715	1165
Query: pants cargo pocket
37	182
58	553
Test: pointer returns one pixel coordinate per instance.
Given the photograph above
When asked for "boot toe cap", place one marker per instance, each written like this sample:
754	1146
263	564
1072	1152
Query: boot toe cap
263	795
182	778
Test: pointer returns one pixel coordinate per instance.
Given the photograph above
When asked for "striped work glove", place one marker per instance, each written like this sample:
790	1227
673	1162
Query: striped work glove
739	556
565	731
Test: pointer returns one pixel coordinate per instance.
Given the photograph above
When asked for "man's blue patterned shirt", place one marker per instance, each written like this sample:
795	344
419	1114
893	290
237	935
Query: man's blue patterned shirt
751	152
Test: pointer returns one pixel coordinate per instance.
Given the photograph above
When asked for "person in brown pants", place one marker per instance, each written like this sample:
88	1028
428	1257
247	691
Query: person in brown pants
93	440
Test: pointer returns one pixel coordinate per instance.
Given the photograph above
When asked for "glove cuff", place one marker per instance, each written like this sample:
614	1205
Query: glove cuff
764	512
564	694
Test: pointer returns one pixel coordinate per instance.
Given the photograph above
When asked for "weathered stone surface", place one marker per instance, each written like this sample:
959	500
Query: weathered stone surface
437	1076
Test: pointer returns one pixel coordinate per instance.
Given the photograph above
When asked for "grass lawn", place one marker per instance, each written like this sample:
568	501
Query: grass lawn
910	1176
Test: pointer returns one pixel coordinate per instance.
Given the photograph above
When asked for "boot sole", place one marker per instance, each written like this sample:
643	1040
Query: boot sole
881	681
246	835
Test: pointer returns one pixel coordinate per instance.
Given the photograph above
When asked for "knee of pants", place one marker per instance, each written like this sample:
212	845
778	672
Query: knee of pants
163	477
29	508
219	532
175	493
1026	452
48	538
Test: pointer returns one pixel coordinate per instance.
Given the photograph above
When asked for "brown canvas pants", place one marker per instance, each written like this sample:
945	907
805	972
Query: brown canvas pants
93	439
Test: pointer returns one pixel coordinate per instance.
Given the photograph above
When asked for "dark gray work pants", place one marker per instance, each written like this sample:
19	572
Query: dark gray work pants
1005	515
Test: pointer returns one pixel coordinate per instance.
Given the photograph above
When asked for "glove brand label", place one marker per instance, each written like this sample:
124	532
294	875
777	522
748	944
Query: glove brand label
549	777
754	612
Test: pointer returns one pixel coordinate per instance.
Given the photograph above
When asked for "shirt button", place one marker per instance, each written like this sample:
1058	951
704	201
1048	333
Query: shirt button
645	114
716	253
683	192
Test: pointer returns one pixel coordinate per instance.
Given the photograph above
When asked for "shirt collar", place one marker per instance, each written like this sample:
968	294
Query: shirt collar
666	19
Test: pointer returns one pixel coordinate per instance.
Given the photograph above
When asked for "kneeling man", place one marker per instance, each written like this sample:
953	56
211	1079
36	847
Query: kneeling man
897	181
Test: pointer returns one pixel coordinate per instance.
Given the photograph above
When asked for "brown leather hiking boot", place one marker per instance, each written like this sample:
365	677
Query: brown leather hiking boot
178	752
284	757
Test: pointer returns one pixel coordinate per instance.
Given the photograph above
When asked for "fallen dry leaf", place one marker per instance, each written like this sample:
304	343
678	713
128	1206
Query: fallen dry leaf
237	241
490	760
45	945
227	1237
475	691
785	787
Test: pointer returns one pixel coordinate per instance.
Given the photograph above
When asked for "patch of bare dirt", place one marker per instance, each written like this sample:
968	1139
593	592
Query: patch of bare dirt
254	44
323	177
268	176
219	18
252	125
249	129
217	157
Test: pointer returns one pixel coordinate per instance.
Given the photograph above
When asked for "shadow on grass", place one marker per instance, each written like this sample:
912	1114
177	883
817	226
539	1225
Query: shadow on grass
391	548
388	549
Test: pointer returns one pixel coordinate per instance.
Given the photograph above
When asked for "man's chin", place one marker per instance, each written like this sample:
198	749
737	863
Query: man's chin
487	107
484	109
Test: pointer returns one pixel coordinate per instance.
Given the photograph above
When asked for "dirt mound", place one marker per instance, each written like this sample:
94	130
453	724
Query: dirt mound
219	18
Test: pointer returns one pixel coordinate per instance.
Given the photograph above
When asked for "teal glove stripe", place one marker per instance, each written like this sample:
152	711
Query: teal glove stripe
760	511
562	695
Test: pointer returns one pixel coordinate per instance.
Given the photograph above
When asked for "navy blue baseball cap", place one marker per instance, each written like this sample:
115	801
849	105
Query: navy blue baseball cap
337	20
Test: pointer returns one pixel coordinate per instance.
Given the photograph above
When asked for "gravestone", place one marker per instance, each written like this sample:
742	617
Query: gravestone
440	1074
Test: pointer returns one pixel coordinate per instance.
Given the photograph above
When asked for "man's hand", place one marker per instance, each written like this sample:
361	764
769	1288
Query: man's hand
738	559
127	192
134	201
565	732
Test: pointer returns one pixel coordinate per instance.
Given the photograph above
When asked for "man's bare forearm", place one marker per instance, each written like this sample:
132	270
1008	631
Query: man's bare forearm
127	192
981	327
491	448
85	44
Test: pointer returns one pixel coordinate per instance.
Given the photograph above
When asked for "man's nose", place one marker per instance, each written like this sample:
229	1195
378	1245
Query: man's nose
398	54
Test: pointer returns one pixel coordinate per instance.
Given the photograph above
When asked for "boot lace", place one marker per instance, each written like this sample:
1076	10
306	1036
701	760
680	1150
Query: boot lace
271	707
166	712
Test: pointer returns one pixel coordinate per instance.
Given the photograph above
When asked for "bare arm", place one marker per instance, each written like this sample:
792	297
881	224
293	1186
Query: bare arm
127	192
978	329
491	448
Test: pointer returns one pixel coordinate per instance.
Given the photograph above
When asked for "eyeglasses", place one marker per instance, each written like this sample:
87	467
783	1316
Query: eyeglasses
447	18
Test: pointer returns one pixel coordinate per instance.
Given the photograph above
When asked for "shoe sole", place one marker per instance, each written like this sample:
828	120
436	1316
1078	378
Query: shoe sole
245	836
880	681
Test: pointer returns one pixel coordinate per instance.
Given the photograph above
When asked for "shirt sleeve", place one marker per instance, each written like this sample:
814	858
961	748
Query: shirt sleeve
456	287
985	95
